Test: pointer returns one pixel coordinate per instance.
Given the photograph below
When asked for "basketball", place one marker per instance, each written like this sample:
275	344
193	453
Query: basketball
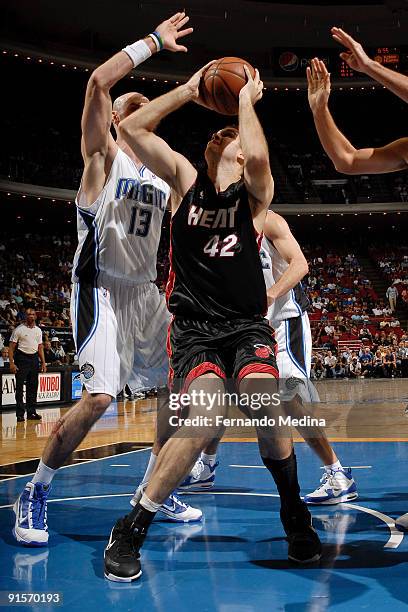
221	83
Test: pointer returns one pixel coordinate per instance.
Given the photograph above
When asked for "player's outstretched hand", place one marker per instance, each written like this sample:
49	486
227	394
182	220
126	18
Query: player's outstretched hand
171	31
355	56
318	82
253	88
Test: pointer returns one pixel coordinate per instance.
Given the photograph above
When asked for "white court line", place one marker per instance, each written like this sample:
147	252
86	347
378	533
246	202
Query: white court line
394	540
257	467
119	465
139	450
355	467
82	459
62	499
79	450
262	467
396	536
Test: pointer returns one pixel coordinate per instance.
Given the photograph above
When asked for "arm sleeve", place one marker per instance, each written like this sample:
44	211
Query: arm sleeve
15	336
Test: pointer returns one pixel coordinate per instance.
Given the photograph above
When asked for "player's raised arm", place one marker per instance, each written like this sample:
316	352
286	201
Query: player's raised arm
358	60
257	172
138	132
277	231
98	146
345	157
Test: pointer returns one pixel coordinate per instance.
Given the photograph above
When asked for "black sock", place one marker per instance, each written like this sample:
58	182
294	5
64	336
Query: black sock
139	520
284	472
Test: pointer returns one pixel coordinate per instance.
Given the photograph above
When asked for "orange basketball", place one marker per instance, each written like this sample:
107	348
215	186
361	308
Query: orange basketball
221	83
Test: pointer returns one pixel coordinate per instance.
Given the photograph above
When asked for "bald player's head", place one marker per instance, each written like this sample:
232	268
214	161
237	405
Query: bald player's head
126	104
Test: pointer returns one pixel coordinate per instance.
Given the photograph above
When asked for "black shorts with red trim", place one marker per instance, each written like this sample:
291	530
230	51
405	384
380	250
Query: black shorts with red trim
231	349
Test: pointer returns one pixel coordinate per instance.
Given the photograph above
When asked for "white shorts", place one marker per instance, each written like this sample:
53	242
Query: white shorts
294	356
119	333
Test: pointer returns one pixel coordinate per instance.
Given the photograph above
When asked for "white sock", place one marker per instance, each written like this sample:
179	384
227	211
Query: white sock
149	469
44	474
334	467
148	504
208	459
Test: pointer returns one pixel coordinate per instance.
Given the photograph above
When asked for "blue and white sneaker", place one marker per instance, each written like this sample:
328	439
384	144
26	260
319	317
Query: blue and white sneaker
173	508
30	528
202	476
176	510
337	486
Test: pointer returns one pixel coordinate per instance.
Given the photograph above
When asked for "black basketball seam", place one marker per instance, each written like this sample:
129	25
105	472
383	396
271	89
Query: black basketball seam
232	94
215	101
235	74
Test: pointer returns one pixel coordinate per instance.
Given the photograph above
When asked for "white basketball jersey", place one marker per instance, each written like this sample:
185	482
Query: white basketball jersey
119	234
291	304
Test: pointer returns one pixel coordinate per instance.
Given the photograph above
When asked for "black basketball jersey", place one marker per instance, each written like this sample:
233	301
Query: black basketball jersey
215	270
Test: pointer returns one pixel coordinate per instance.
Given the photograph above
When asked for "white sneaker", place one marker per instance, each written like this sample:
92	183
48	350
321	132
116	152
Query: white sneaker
173	508
337	486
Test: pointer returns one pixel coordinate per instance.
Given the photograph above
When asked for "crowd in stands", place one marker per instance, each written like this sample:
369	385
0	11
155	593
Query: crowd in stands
384	357
35	272
393	265
341	296
356	329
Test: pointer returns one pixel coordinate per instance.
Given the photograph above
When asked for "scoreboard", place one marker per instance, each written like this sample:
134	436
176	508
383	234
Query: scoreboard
292	62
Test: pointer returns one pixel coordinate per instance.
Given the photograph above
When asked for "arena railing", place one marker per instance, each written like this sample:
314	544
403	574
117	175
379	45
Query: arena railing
55	193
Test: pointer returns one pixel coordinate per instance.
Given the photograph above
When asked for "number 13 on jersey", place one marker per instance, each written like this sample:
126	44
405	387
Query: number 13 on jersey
139	221
221	247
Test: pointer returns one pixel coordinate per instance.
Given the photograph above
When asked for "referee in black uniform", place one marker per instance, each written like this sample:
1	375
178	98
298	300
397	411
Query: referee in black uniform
25	349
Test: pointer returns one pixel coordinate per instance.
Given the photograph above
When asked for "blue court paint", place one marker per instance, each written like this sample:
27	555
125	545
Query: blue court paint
235	560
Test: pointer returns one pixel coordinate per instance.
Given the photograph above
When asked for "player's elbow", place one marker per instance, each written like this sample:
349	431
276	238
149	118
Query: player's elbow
258	163
130	129
98	81
303	267
345	165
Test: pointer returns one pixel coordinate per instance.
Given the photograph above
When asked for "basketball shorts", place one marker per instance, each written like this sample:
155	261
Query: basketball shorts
294	339
231	349
119	333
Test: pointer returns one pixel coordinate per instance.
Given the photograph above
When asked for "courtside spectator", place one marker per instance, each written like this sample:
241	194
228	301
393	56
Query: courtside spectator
4	357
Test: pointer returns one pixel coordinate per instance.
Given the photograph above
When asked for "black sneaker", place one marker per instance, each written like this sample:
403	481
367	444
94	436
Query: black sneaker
20	418
122	558
304	543
34	416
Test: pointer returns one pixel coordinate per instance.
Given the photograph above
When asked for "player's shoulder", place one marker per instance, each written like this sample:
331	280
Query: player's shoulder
275	225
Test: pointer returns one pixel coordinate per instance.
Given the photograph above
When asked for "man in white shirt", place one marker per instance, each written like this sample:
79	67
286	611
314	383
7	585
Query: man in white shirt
24	350
329	363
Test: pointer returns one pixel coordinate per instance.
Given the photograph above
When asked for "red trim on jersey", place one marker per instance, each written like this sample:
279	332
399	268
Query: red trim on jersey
258	238
172	277
170	376
257	368
203	368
